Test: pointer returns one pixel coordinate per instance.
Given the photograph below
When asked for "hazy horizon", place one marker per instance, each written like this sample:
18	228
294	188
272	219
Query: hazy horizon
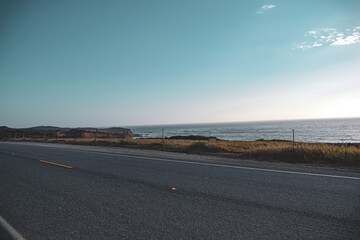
189	123
131	63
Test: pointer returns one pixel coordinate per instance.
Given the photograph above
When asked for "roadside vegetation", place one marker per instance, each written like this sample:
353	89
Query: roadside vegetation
338	155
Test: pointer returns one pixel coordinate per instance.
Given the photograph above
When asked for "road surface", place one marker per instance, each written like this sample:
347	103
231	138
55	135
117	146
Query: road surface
55	191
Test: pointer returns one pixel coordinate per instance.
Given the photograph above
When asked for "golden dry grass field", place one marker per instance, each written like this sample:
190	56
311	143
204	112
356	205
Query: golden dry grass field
340	155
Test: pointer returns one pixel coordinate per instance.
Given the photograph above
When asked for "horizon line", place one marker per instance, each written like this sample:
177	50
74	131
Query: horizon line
249	121
194	123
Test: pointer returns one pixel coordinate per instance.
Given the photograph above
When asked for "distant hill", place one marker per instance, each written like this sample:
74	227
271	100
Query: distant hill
53	132
47	128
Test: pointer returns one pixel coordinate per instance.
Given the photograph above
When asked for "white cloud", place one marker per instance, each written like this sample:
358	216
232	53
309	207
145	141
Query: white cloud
317	44
330	37
265	8
346	41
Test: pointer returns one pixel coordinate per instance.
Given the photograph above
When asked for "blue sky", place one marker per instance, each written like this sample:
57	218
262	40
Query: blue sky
116	63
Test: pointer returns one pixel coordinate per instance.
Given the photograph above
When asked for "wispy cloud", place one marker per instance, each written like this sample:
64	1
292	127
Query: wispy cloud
330	37
264	8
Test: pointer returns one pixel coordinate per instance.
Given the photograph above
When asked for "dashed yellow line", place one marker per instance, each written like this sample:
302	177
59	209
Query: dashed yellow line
57	164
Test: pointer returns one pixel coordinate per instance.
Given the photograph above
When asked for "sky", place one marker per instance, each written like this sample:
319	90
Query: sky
140	62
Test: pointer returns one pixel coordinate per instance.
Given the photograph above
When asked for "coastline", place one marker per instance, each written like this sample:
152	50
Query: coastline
343	130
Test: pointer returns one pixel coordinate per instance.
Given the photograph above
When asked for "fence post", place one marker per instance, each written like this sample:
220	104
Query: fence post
293	138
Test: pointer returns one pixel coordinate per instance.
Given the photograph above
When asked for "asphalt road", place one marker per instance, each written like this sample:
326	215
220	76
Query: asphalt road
103	194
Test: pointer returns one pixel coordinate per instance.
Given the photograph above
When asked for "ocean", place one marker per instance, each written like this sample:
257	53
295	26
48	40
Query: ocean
346	130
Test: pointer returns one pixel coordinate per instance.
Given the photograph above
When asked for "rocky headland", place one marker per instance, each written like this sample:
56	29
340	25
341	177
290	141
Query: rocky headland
58	132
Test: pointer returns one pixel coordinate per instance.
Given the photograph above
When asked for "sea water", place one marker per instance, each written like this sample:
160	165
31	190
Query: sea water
324	130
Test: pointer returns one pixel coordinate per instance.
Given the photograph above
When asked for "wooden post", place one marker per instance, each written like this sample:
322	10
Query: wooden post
293	138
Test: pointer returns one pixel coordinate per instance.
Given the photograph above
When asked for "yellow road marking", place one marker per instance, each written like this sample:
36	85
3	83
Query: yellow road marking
56	164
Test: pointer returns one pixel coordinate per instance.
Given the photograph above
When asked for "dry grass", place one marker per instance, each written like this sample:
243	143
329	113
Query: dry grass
345	155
